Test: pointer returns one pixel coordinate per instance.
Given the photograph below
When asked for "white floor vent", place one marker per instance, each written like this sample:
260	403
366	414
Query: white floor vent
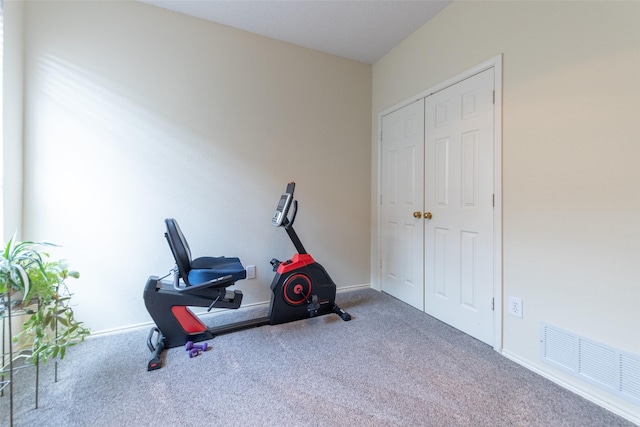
604	366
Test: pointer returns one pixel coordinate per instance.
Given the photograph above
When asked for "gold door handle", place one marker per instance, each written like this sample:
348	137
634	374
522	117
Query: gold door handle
417	215
427	215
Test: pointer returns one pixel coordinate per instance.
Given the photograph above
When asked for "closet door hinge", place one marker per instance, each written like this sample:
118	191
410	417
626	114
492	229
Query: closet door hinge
493	200
493	303
494	96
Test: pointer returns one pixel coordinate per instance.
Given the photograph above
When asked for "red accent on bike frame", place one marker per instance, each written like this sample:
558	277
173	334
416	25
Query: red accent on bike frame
189	322
298	261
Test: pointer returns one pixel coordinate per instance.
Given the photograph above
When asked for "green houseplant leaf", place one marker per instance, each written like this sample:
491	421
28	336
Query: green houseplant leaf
52	327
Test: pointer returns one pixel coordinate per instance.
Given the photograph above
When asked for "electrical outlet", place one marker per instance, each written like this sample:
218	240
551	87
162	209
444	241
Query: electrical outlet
251	271
515	307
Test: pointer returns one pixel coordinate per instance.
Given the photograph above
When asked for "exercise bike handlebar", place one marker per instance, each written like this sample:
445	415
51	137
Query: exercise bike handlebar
288	227
288	223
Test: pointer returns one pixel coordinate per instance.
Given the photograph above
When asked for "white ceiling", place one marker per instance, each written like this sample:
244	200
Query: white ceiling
363	30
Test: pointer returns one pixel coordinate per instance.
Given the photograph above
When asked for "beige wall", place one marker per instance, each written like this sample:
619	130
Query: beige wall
134	114
571	158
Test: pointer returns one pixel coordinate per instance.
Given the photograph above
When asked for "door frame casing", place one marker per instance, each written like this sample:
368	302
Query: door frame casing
496	64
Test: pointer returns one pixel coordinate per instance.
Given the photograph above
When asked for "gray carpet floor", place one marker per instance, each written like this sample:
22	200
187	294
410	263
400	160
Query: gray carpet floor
390	366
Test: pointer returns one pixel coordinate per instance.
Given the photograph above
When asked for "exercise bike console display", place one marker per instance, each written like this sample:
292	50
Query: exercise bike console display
282	209
300	289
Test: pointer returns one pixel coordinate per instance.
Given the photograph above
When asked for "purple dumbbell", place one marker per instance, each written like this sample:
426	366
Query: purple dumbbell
198	347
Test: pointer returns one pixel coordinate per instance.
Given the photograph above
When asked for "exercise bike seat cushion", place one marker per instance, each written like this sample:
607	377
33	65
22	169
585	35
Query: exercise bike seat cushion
205	269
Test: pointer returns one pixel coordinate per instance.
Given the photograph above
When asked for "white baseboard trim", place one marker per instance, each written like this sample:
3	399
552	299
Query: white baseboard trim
630	416
150	324
120	330
353	288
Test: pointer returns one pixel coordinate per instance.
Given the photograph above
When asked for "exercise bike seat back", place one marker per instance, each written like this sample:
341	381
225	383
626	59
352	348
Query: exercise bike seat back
214	272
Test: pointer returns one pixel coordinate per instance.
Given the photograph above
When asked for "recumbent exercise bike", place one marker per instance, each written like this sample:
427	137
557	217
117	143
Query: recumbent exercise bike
300	289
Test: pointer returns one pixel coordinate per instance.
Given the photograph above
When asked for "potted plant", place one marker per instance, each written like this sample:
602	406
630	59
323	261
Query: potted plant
29	278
